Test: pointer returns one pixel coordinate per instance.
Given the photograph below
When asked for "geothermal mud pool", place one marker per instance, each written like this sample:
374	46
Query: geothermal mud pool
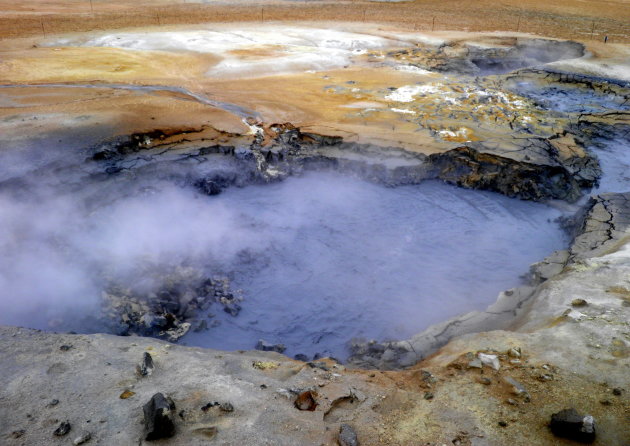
249	227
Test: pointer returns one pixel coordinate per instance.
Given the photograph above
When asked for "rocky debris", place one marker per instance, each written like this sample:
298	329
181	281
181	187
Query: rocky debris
268	347
347	436
568	423
145	368
63	429
83	438
579	303
65	347
489	360
467	167
53	403
306	400
168	312
158	417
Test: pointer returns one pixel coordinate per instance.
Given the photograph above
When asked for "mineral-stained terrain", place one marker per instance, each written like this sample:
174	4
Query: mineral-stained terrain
208	107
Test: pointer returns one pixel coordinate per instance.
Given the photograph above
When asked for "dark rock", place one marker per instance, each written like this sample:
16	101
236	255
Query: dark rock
347	436
158	417
503	423
209	406
232	309
268	347
617	391
568	423
306	401
301	357
53	403
227	407
18	433
65	347
145	368
428	395
63	429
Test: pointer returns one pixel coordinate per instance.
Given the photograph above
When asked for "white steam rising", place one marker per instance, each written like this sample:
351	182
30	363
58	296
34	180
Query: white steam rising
320	259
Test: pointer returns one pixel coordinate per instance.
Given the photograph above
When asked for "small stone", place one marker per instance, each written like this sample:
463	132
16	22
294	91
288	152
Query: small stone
514	352
126	394
489	360
605	402
512	402
53	403
517	387
617	391
226	407
568	423
65	347
347	436
18	433
579	303
485	381
209	406
158	417
503	423
475	363
232	309
428	395
63	429
145	368
84	438
306	401
268	347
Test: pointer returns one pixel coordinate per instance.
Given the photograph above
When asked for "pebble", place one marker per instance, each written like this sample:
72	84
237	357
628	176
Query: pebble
145	368
617	391
503	423
82	439
347	436
579	303
63	429
490	360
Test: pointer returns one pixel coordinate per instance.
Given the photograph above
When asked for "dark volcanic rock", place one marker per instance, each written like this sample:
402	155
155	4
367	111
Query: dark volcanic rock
568	423
158	417
467	167
63	429
145	368
268	347
347	436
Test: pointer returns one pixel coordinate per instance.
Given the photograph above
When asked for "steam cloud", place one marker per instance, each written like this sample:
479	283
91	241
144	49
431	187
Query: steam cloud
320	259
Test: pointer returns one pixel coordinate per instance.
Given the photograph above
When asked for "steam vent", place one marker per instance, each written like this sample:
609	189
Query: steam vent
314	222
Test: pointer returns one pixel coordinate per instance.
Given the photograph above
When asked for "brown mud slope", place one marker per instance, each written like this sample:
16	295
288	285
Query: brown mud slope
572	19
